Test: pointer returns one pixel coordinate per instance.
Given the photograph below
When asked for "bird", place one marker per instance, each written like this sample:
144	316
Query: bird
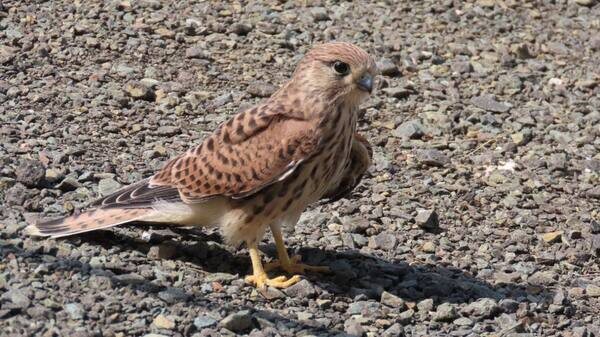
260	169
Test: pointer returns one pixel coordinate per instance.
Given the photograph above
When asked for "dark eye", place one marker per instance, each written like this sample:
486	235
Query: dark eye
341	67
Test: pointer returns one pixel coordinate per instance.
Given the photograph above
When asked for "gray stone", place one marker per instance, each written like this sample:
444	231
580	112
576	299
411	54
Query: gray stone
353	328
362	307
484	307
406	316
68	184
173	295
425	305
427	218
238	322
30	173
489	103
445	312
387	67
384	240
168	130
18	298
409	130
319	13
392	300
108	186
203	321
196	53
137	90
302	289
432	157
75	311
261	89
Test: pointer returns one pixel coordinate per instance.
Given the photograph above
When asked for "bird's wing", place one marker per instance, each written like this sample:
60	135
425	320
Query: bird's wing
360	160
254	149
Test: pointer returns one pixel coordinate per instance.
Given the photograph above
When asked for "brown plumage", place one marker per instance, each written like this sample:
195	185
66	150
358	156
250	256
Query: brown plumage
261	168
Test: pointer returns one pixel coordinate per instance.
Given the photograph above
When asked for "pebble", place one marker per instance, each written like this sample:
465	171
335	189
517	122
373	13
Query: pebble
108	186
202	322
432	158
302	289
388	68
592	290
238	322
409	130
445	312
162	322
138	90
392	300
75	311
427	218
484	307
18	298
173	295
489	103
30	173
385	241
261	89
552	237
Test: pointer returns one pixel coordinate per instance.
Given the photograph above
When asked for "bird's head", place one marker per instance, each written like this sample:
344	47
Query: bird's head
337	72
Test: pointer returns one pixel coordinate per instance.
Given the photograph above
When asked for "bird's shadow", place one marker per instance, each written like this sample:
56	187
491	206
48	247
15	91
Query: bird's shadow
353	272
354	275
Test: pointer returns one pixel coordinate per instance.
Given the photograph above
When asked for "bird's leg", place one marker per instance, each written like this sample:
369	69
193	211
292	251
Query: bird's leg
291	265
260	278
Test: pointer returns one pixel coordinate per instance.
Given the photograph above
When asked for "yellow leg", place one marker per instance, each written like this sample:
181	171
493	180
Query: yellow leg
290	265
260	278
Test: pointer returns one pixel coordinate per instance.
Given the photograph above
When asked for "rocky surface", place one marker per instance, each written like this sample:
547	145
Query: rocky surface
479	217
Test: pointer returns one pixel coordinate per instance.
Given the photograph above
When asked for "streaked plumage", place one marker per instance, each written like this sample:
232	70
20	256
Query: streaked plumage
261	168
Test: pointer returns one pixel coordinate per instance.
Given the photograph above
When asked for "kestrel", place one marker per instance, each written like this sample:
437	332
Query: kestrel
260	169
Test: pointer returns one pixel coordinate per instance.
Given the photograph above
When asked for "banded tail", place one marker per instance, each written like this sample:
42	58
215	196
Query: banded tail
87	221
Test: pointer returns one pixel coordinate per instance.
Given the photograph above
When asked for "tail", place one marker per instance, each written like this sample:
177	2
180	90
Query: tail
87	221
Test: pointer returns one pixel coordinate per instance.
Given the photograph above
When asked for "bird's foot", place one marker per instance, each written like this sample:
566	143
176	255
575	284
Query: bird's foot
293	266
262	280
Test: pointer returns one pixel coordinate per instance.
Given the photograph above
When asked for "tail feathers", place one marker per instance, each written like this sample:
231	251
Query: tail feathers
87	221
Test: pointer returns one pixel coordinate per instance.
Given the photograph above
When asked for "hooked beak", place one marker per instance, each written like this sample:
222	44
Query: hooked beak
366	83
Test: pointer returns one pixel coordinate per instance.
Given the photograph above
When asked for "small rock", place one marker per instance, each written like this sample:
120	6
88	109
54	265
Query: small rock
398	92
68	184
406	316
137	90
542	278
353	328
319	14
167	130
428	247
362	307
595	227
592	290
162	322
552	237
427	218
75	310
302	289
18	298
489	103
432	157
196	53
162	251
484	307
463	321
425	305
384	240
392	300
394	331
173	295
240	28
445	312
387	67
53	176
261	89
30	173
203	321
238	322
107	186
587	3
409	130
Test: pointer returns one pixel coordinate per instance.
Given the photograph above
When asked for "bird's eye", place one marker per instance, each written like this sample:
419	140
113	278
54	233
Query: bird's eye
341	68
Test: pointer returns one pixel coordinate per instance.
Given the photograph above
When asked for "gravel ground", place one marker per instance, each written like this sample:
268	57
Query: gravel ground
479	216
